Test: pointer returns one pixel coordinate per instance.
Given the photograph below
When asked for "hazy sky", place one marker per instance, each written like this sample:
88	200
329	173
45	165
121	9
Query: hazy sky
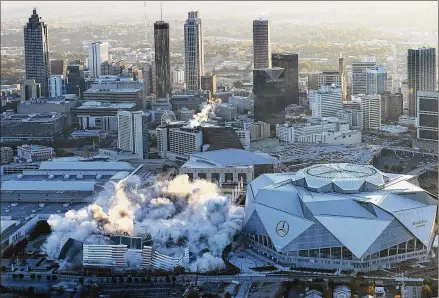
411	12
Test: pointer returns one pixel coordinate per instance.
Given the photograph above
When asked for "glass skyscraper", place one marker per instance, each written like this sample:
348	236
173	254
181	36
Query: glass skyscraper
193	51
36	52
162	62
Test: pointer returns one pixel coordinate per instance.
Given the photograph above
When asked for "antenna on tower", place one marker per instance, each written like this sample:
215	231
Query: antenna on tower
161	12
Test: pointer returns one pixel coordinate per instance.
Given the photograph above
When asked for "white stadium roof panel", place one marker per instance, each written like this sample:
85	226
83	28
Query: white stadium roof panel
339	208
357	234
236	157
41	186
393	202
280	199
86	166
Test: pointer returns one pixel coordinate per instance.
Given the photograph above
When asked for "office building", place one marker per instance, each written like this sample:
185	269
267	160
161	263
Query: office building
20	127
193	51
371	110
269	91
57	85
30	89
31	153
243	103
226	111
339	216
326	101
344	78
184	114
329	78
132	136
261	44
58	67
184	141
97	54
290	64
177	75
405	95
112	68
376	80
427	117
6	155
119	95
208	83
244	137
394	106
75	78
162	58
421	74
359	76
36	52
64	104
260	131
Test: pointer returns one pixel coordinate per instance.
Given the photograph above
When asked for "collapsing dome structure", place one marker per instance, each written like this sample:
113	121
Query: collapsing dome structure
340	216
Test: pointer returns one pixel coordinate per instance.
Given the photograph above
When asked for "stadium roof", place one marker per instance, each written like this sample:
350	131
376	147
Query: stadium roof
355	206
5	224
231	157
40	186
84	166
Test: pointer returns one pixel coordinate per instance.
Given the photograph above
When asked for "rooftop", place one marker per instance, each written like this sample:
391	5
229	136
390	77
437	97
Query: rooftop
42	186
85	165
88	105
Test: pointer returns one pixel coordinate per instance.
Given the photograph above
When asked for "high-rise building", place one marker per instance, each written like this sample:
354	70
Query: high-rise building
327	78
344	78
36	52
359	76
208	83
30	89
193	51
75	78
427	115
371	109
393	106
421	74
162	58
261	44
58	67
269	92
405	95
97	54
376	80
326	102
57	85
290	64
132	135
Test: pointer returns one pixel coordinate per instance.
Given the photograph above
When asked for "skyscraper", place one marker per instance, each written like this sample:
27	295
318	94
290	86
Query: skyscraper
376	79
421	74
344	81
261	44
97	54
290	64
75	78
162	62
193	51
36	52
132	132
359	76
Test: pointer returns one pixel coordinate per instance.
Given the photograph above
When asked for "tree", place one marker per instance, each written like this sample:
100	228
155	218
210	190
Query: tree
54	277
14	276
3	268
48	277
167	278
129	279
173	278
32	276
227	295
21	276
39	277
370	289
386	167
148	279
426	291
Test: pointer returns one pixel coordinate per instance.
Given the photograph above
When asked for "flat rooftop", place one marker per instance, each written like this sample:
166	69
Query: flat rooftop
234	157
94	105
48	186
85	165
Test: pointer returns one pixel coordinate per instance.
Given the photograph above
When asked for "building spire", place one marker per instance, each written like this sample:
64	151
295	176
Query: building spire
161	12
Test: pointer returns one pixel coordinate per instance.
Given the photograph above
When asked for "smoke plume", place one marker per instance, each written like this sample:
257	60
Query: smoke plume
177	214
207	110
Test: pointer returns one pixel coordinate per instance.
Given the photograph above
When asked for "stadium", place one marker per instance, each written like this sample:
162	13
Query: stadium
339	216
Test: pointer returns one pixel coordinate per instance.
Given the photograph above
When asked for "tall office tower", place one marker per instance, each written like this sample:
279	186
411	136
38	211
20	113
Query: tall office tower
208	83
427	116
359	76
131	134
75	78
371	109
261	44
30	89
376	80
193	51
36	52
57	85
268	89
162	60
97	54
344	78
405	95
290	64
326	101
58	67
393	106
421	74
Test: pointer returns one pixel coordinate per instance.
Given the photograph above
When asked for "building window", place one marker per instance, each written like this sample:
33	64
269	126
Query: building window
191	176
304	253
347	255
228	177
243	177
202	175
215	177
325	253
336	253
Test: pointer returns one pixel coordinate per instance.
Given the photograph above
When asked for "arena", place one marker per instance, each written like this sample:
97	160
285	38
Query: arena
339	216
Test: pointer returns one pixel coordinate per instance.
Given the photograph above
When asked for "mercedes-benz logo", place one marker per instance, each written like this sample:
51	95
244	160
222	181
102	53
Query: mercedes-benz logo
282	228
